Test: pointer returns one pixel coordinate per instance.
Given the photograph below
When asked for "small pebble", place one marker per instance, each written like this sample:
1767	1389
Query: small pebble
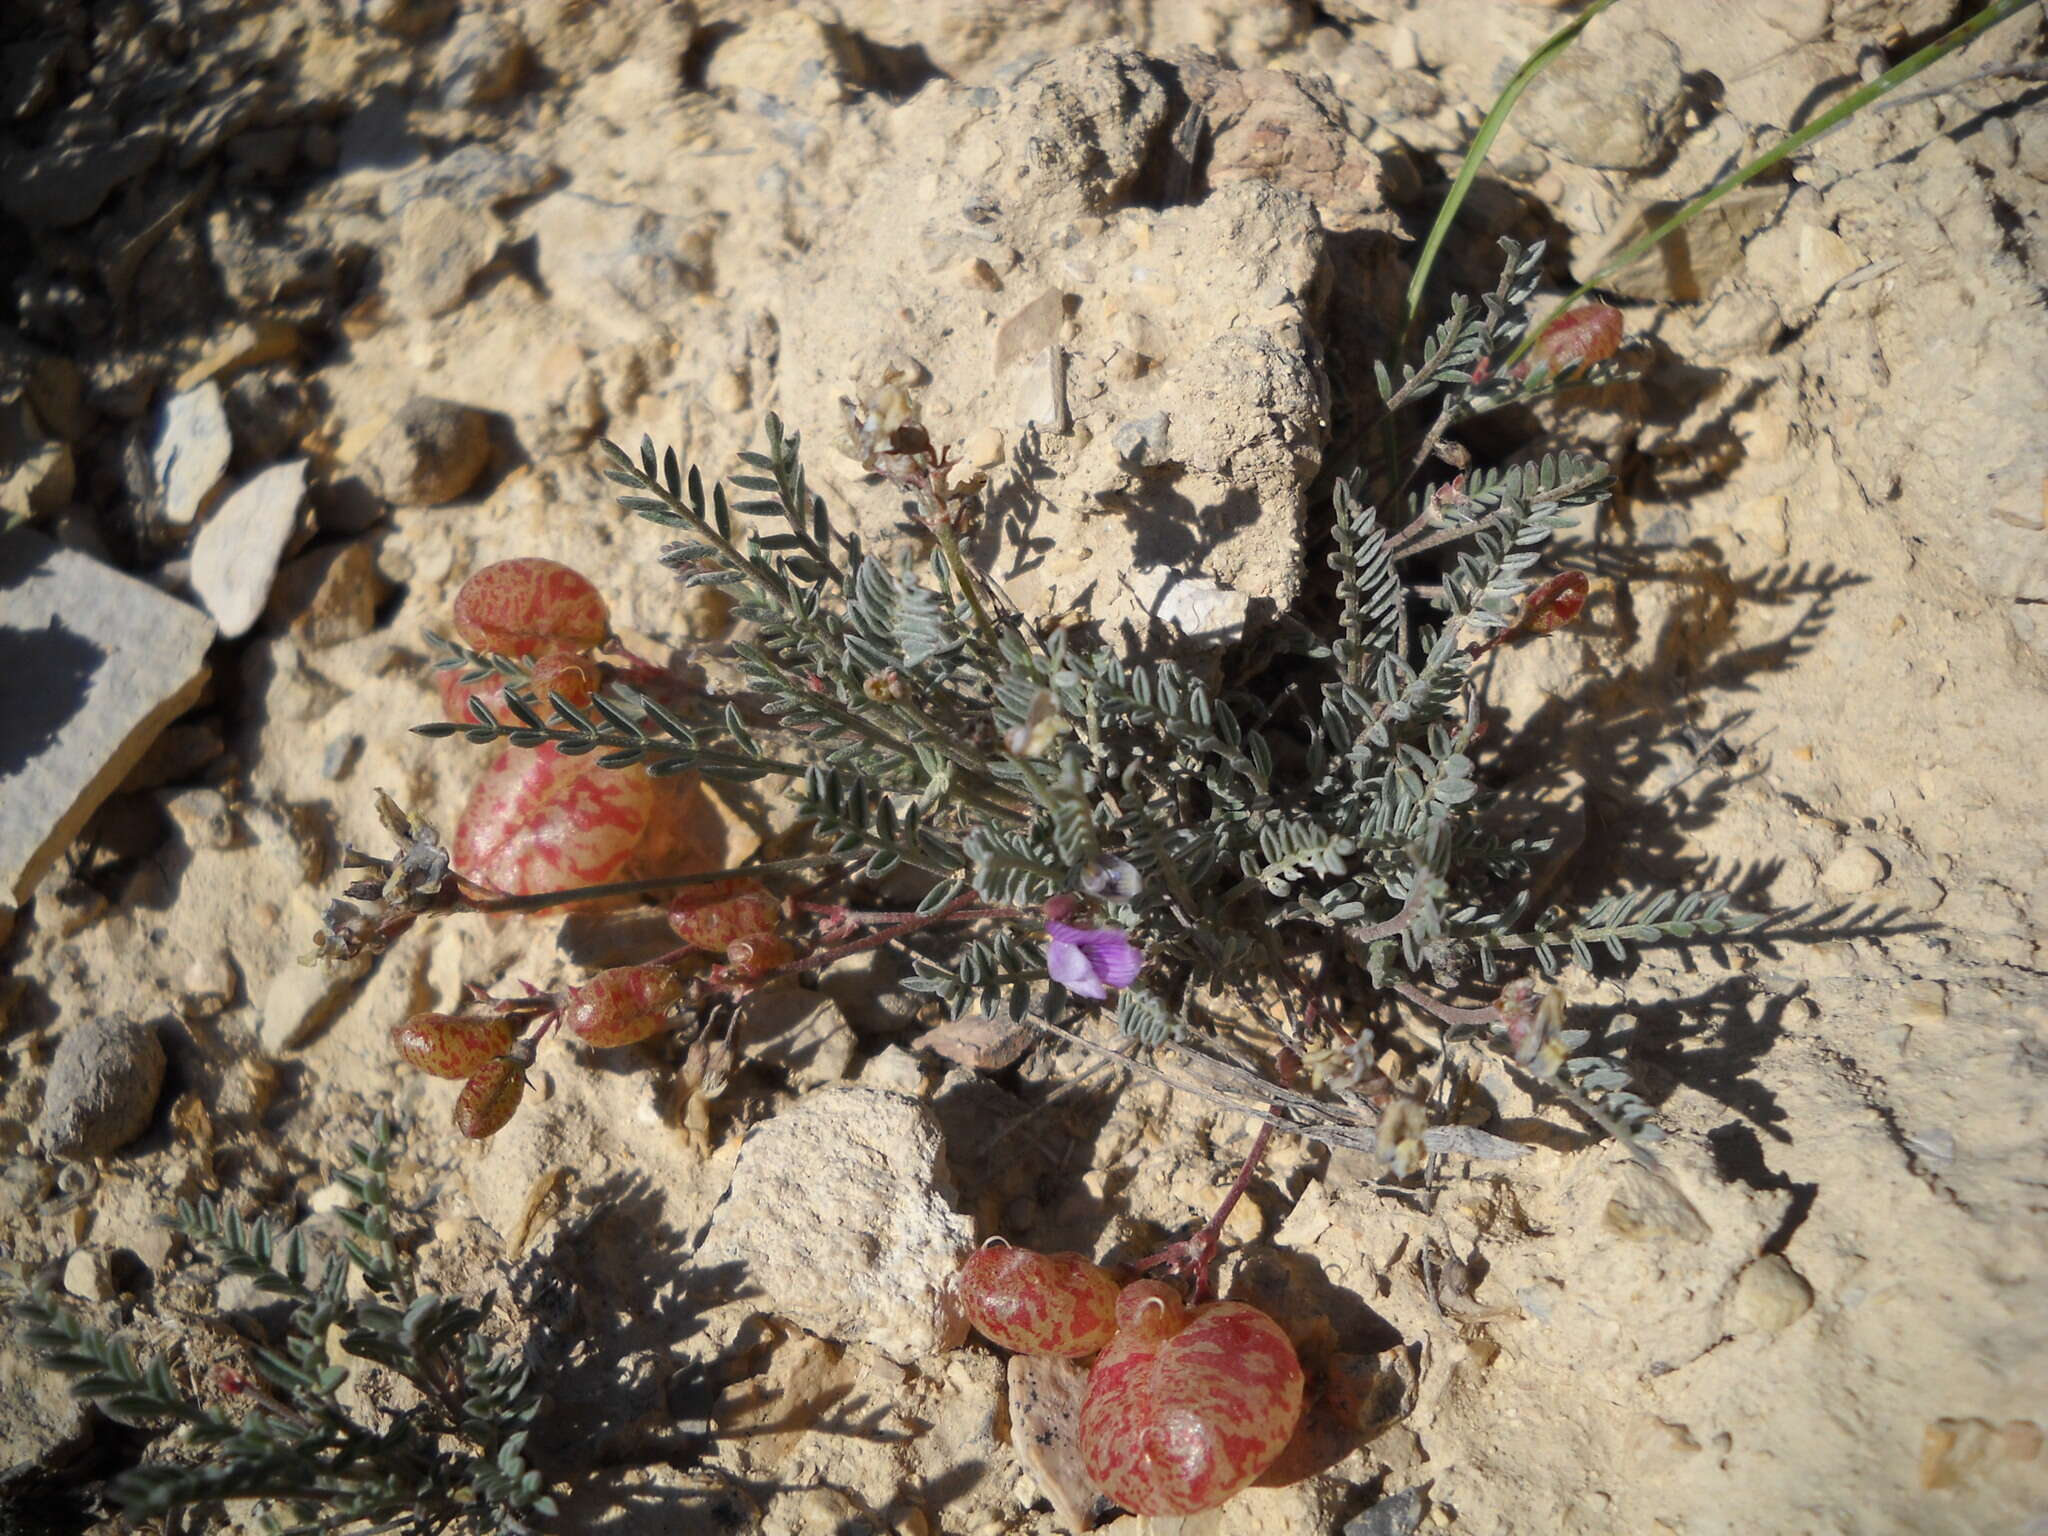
1770	1295
985	448
1854	870
339	760
88	1276
103	1086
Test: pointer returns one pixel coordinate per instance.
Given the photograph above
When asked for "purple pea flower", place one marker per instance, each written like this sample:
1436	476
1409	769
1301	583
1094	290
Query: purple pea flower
1092	962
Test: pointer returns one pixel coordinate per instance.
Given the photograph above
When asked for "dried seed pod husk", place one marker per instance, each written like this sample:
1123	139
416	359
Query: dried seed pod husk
449	1044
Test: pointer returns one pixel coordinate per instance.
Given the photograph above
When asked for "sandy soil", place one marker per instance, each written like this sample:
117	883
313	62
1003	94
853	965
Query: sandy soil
1814	671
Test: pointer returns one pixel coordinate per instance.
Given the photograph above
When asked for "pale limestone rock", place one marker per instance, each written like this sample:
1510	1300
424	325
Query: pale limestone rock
629	270
840	1216
441	245
88	1276
191	453
1769	1295
235	557
93	665
1611	101
1854	870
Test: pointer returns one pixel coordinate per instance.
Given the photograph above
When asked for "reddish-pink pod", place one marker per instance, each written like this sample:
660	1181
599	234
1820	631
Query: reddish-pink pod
540	821
1038	1303
1587	335
1187	1406
1555	604
622	1005
714	917
519	607
451	1045
491	1097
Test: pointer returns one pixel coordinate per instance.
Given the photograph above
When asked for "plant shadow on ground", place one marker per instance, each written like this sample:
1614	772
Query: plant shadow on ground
632	1406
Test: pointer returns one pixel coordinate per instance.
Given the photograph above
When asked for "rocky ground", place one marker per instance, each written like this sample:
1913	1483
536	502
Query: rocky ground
319	306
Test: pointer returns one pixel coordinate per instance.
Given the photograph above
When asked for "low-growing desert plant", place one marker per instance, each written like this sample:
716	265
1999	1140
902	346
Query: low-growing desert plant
283	1435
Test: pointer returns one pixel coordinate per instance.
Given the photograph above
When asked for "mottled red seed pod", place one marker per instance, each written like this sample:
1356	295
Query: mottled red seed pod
713	917
1554	604
1039	1303
622	1005
1185	1407
451	1045
540	821
1589	334
490	1098
520	607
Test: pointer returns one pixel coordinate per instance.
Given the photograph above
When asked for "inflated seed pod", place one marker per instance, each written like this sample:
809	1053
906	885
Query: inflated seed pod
1038	1303
539	820
711	917
520	607
1187	1406
491	1096
571	674
622	1005
1589	334
451	1044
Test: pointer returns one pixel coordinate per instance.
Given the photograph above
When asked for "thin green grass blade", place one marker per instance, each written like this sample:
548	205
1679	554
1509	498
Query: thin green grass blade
1475	157
1958	37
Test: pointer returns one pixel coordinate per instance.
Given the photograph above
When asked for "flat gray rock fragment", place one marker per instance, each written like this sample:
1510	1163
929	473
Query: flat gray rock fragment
234	559
93	665
191	454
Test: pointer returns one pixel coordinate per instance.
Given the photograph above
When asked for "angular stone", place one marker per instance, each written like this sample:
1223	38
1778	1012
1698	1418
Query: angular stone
482	60
60	187
193	445
38	474
93	664
474	176
441	246
630	269
1611	102
235	557
246	345
330	596
840	1217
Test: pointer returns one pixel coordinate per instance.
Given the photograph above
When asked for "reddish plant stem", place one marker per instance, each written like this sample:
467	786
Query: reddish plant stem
953	910
1197	1252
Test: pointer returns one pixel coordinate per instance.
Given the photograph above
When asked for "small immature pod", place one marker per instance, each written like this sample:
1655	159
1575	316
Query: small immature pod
520	607
1187	1406
1589	334
1039	1303
713	917
491	1097
747	958
622	1005
449	1044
